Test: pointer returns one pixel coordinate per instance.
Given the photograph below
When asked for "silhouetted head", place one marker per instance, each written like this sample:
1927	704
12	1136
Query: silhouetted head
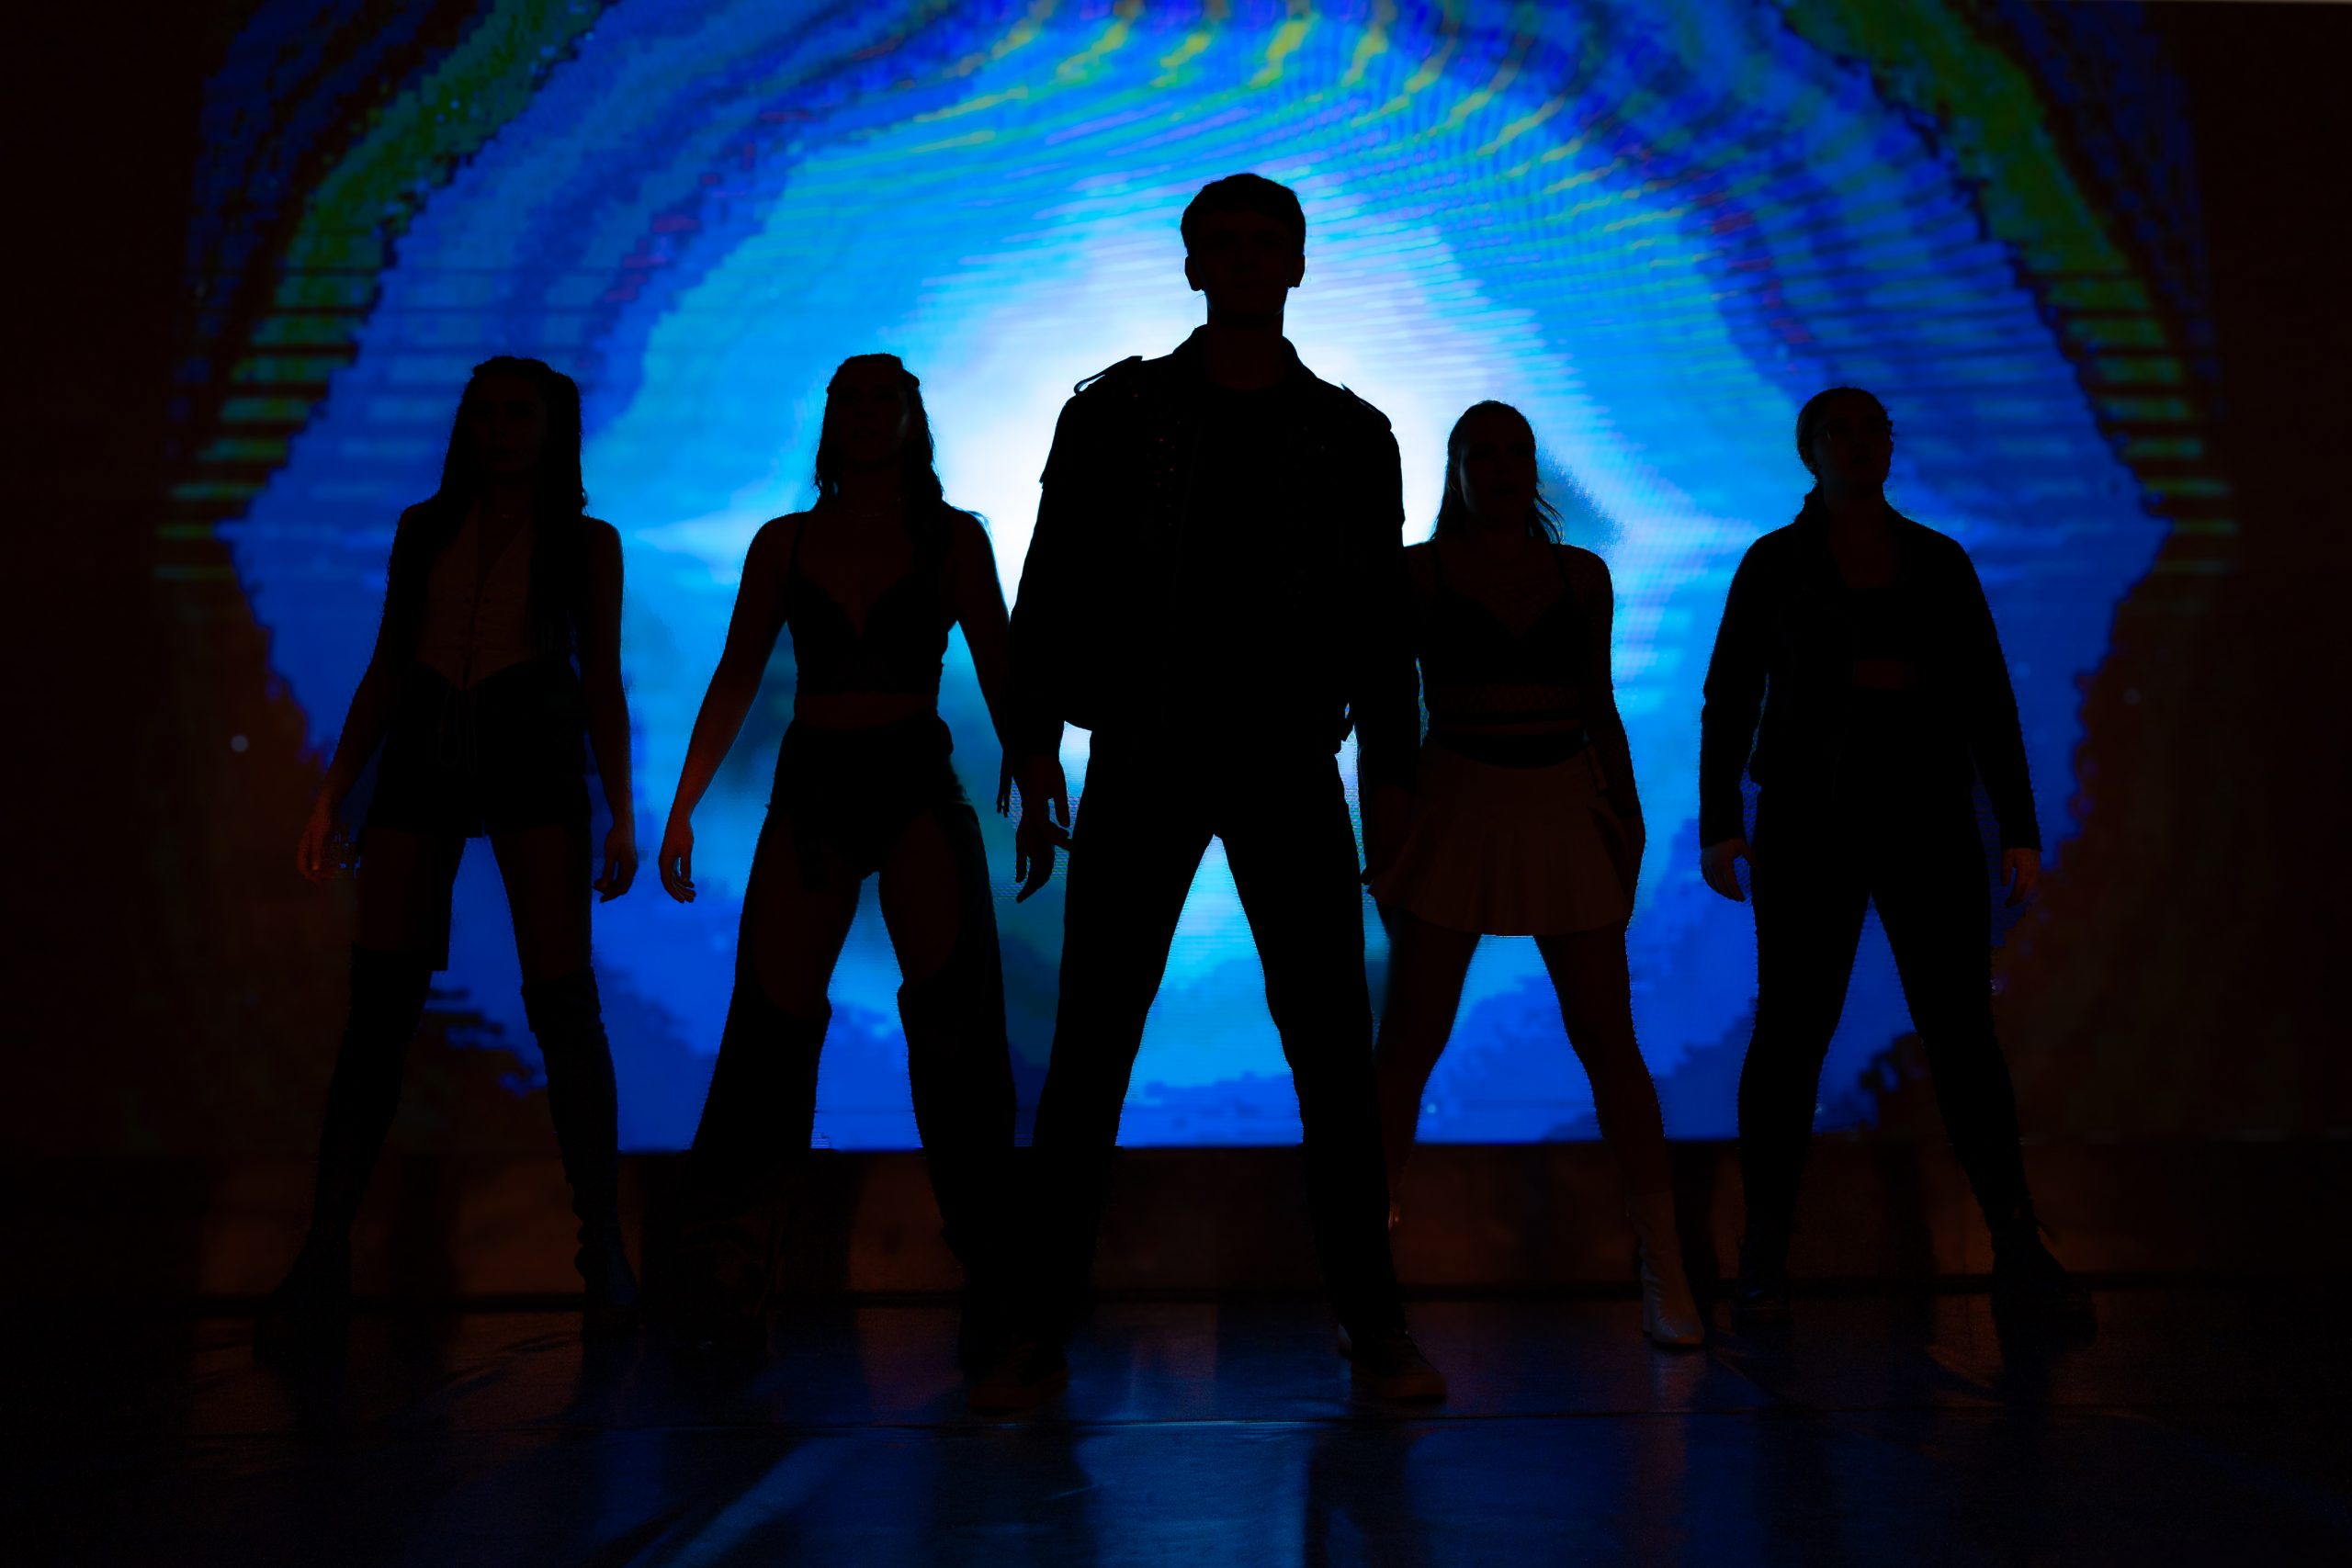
1245	245
874	419
1845	439
519	419
1491	479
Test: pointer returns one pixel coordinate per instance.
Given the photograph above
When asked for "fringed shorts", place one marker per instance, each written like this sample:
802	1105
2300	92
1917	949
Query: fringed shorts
1512	851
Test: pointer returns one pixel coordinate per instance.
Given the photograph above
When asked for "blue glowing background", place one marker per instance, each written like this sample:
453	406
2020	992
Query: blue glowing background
1657	228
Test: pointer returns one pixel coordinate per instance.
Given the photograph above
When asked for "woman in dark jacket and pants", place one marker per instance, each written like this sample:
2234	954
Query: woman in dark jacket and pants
1886	693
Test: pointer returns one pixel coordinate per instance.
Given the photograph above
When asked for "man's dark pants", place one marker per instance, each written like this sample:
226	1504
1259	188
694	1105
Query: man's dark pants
1149	810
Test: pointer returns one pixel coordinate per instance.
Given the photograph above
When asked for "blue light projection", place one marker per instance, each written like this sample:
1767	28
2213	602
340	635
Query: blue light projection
1657	228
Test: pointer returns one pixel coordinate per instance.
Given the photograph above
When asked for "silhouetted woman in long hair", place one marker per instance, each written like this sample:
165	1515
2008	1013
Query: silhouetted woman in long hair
870	579
498	653
1524	820
1865	642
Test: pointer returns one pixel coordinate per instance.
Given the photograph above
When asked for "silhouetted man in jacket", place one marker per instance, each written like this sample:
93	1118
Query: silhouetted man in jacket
1215	590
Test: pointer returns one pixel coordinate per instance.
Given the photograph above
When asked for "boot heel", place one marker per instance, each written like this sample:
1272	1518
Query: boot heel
1669	1316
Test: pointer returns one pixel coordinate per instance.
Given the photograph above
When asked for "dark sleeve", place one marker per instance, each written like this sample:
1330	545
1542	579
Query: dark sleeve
1042	621
1995	737
1733	697
1386	700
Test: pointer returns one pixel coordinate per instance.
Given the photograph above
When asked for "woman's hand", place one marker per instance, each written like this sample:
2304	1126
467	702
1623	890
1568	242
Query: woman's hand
676	862
1715	863
1043	826
620	861
316	856
2020	870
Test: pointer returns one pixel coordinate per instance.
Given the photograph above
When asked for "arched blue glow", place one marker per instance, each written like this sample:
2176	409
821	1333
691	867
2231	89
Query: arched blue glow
1656	232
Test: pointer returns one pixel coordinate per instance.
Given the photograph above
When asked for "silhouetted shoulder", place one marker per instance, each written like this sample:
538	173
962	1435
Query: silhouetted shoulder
1350	408
1111	377
775	537
601	534
1420	566
1587	572
967	537
1940	547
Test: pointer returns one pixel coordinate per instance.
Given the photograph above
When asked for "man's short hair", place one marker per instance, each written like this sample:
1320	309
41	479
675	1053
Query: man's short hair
1246	192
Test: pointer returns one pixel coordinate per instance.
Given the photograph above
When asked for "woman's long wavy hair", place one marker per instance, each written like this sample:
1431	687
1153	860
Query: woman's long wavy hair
1454	508
559	554
918	466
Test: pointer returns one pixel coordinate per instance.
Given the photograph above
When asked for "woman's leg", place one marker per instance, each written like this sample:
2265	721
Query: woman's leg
404	881
757	1117
1426	964
403	911
545	870
936	902
1589	974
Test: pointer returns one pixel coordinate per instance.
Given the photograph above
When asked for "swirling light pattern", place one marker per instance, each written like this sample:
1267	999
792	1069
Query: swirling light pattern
1656	228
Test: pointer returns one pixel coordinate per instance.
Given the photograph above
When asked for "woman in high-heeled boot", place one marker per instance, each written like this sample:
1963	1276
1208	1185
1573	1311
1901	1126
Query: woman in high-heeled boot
1524	820
870	579
498	652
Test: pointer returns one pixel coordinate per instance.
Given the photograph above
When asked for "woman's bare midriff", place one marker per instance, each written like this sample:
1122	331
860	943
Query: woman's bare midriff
1496	710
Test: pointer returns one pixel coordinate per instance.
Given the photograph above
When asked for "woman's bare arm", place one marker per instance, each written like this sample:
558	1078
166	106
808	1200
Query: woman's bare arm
600	677
977	597
600	667
364	726
751	638
1598	697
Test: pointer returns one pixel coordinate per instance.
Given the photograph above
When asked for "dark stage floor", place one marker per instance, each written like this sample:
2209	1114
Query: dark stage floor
2203	1425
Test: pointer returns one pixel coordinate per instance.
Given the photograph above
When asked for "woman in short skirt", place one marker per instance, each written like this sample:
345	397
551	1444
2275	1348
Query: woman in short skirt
1524	819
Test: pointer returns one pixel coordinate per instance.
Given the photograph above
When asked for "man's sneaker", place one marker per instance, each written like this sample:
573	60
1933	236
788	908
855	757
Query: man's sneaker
1023	1375
1390	1366
2029	1285
1760	1299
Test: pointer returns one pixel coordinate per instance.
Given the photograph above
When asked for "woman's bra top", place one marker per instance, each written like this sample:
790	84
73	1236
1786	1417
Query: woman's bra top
1463	643
900	648
476	620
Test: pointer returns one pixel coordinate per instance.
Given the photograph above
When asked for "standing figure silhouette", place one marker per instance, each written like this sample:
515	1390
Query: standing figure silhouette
1525	821
870	579
1864	641
499	649
1213	590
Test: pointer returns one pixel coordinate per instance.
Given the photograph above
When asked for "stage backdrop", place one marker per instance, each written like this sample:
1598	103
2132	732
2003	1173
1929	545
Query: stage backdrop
1655	228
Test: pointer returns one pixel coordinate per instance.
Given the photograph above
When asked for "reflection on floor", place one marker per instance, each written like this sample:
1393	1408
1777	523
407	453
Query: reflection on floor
2203	1425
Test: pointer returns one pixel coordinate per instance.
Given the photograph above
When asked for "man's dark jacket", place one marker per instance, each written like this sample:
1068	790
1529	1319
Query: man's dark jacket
1099	638
1787	645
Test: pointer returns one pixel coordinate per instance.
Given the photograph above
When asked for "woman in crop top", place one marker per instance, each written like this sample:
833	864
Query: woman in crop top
869	580
1524	818
1858	679
497	584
